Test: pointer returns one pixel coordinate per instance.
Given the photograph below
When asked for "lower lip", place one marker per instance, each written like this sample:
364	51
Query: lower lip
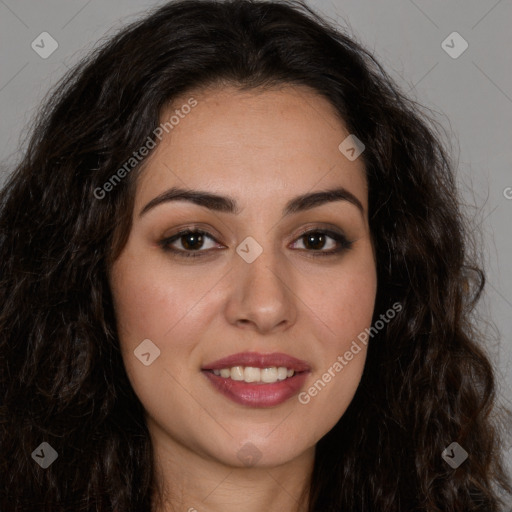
258	395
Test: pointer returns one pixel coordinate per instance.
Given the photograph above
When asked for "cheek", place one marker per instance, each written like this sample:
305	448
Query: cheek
150	305
342	308
333	400
331	388
341	303
149	302
154	303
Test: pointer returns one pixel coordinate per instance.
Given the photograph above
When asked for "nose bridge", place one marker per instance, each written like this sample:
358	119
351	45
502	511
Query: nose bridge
261	292
265	274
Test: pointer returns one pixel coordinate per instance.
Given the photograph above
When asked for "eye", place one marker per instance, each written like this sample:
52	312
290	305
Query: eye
314	241
192	242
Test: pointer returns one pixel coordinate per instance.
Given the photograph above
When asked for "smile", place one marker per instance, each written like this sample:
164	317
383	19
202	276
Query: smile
257	380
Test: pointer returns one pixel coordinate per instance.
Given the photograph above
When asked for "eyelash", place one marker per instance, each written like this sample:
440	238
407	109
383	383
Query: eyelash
344	244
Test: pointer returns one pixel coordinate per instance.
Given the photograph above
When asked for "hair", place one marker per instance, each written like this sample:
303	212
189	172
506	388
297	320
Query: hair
427	381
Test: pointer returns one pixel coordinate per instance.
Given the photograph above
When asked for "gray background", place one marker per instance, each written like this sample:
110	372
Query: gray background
471	94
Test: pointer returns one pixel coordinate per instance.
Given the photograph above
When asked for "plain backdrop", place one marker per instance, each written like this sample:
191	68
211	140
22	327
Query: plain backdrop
470	92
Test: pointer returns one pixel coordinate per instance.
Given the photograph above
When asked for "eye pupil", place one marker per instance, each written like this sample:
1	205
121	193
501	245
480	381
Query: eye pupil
196	240
315	240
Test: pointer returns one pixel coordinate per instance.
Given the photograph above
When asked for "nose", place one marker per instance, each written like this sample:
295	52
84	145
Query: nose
261	295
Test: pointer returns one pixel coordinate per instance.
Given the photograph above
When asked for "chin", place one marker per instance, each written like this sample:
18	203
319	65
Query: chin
250	450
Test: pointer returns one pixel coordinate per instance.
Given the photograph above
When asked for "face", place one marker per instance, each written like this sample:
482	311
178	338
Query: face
234	310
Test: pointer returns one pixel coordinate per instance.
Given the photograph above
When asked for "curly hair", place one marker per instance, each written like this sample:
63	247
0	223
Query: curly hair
427	381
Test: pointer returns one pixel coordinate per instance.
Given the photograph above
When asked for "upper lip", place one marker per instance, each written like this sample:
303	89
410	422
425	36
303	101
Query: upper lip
257	360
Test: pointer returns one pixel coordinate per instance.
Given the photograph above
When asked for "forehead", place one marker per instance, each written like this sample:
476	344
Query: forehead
260	143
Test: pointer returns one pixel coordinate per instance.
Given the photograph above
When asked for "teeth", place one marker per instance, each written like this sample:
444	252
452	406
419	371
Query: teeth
282	373
251	374
237	373
269	374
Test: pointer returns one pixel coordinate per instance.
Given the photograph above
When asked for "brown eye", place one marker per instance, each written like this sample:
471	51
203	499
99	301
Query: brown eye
316	240
190	240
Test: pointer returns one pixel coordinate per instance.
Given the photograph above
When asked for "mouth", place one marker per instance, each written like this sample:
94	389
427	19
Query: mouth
257	380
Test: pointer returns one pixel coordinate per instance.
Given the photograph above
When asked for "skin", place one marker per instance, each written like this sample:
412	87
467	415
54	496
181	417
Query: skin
262	148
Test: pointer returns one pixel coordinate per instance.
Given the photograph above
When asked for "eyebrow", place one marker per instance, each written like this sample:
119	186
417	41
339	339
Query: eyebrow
225	204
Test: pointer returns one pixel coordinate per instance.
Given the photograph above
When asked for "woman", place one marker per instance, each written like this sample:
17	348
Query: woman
234	277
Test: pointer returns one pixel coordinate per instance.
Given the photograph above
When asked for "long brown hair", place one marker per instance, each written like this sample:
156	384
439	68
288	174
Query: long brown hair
427	382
